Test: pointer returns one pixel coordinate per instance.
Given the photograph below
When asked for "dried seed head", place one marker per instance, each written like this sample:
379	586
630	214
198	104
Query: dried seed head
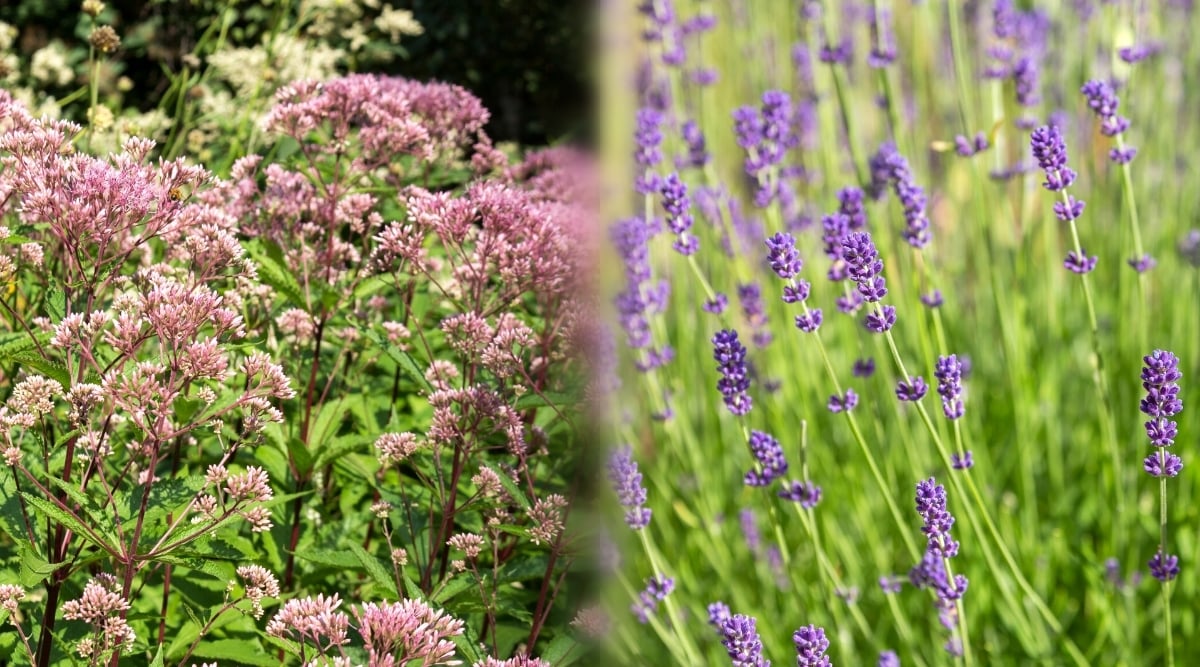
104	39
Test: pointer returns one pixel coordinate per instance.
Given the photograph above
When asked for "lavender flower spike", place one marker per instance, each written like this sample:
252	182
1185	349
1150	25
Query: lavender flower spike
679	214
740	638
933	570
730	355
627	482
865	268
1160	379
1050	151
811	645
769	454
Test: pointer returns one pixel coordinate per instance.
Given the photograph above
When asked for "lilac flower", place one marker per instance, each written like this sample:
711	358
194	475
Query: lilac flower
806	493
1142	264
949	372
766	135
850	204
769	454
679	215
864	265
891	584
911	390
630	238
1160	378
648	153
888	659
657	589
627	483
740	639
932	571
843	403
810	321
811	645
967	147
840	53
730	355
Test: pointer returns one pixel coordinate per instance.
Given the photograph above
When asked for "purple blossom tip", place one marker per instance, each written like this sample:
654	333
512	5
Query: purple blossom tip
843	403
1164	567
809	322
730	355
1050	151
769	454
964	462
806	493
1142	264
911	391
864	368
1079	263
811	645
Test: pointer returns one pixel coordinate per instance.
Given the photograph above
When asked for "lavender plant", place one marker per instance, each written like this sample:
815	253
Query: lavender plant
938	245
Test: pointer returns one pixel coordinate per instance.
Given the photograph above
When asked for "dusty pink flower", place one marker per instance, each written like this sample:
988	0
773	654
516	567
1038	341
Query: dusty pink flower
34	395
395	447
547	518
259	583
407	631
251	486
313	619
468	543
515	661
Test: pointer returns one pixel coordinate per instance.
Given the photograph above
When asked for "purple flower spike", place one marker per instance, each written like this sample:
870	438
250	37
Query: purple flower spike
932	571
881	321
697	155
769	454
809	322
657	589
1050	151
679	214
843	403
730	355
864	265
864	368
1160	379
1068	210
718	612
1079	263
964	462
647	155
1164	567
717	304
912	391
805	493
1142	264
627	483
740	638
783	256
949	372
811	645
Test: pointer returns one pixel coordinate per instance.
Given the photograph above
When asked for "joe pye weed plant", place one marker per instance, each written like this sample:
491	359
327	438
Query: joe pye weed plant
863	224
314	409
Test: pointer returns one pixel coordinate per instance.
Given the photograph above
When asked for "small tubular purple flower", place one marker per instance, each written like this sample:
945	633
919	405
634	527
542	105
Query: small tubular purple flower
1103	101
717	304
697	148
810	321
718	612
627	483
747	127
679	214
657	589
850	303
864	368
769	454
806	493
1160	379
1164	567
864	265
891	584
648	153
911	391
811	645
843	403
932	571
882	320
1142	264
1050	151
850	204
1122	155
933	299
832	54
888	659
730	355
740	638
783	256
949	372
883	42
1079	263
1068	210
963	462
912	196
796	292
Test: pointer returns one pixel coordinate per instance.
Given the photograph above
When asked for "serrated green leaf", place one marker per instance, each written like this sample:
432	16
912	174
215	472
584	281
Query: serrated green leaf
12	521
95	514
15	343
512	489
403	359
55	513
374	568
453	587
340	446
34	568
169	495
557	399
523	569
272	270
56	303
300	456
338	559
243	651
158	658
51	369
